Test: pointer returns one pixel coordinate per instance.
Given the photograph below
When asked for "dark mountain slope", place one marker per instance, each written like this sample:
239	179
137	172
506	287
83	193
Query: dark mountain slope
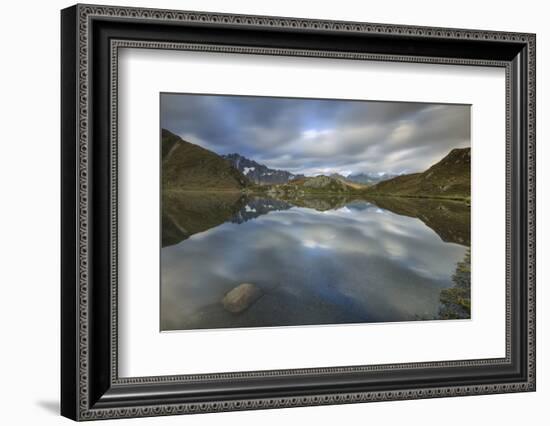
187	166
449	178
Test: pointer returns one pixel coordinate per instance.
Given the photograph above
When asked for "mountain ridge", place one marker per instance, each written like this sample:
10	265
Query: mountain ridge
259	173
186	166
189	166
370	178
448	178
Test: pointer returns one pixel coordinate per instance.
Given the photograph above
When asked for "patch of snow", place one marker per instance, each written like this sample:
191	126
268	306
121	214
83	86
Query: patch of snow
250	209
248	169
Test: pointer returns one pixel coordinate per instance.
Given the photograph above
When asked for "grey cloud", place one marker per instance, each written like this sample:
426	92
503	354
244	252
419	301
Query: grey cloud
314	136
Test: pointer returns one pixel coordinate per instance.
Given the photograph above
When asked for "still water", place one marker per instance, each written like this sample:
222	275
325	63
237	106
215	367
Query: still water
241	261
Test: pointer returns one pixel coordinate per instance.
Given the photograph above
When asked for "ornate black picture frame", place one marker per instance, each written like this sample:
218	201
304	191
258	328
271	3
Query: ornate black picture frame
91	387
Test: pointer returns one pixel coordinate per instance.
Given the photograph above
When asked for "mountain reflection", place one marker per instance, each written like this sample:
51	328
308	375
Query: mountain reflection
234	260
187	213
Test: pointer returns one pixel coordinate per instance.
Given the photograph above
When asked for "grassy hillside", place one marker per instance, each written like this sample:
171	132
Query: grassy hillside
186	166
312	185
449	178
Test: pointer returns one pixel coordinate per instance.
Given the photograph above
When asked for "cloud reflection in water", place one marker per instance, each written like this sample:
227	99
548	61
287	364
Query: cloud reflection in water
357	263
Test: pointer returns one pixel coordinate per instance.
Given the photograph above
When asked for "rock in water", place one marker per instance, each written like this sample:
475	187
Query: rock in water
241	297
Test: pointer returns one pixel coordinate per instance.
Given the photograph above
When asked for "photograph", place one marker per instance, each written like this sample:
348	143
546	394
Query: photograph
290	211
265	208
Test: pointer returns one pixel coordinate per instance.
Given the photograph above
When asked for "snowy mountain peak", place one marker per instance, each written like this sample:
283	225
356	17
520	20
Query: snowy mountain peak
259	173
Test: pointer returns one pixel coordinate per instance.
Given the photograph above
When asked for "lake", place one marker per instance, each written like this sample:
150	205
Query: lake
232	260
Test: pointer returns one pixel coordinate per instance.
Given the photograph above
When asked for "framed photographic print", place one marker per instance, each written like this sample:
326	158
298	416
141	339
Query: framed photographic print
263	212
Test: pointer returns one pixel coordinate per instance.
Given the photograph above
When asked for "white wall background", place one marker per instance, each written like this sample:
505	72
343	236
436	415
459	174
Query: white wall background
29	225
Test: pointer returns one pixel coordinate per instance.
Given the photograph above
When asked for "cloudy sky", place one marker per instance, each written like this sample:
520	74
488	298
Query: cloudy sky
313	136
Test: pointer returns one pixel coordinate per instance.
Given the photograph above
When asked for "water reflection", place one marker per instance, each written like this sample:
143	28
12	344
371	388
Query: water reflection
231	260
